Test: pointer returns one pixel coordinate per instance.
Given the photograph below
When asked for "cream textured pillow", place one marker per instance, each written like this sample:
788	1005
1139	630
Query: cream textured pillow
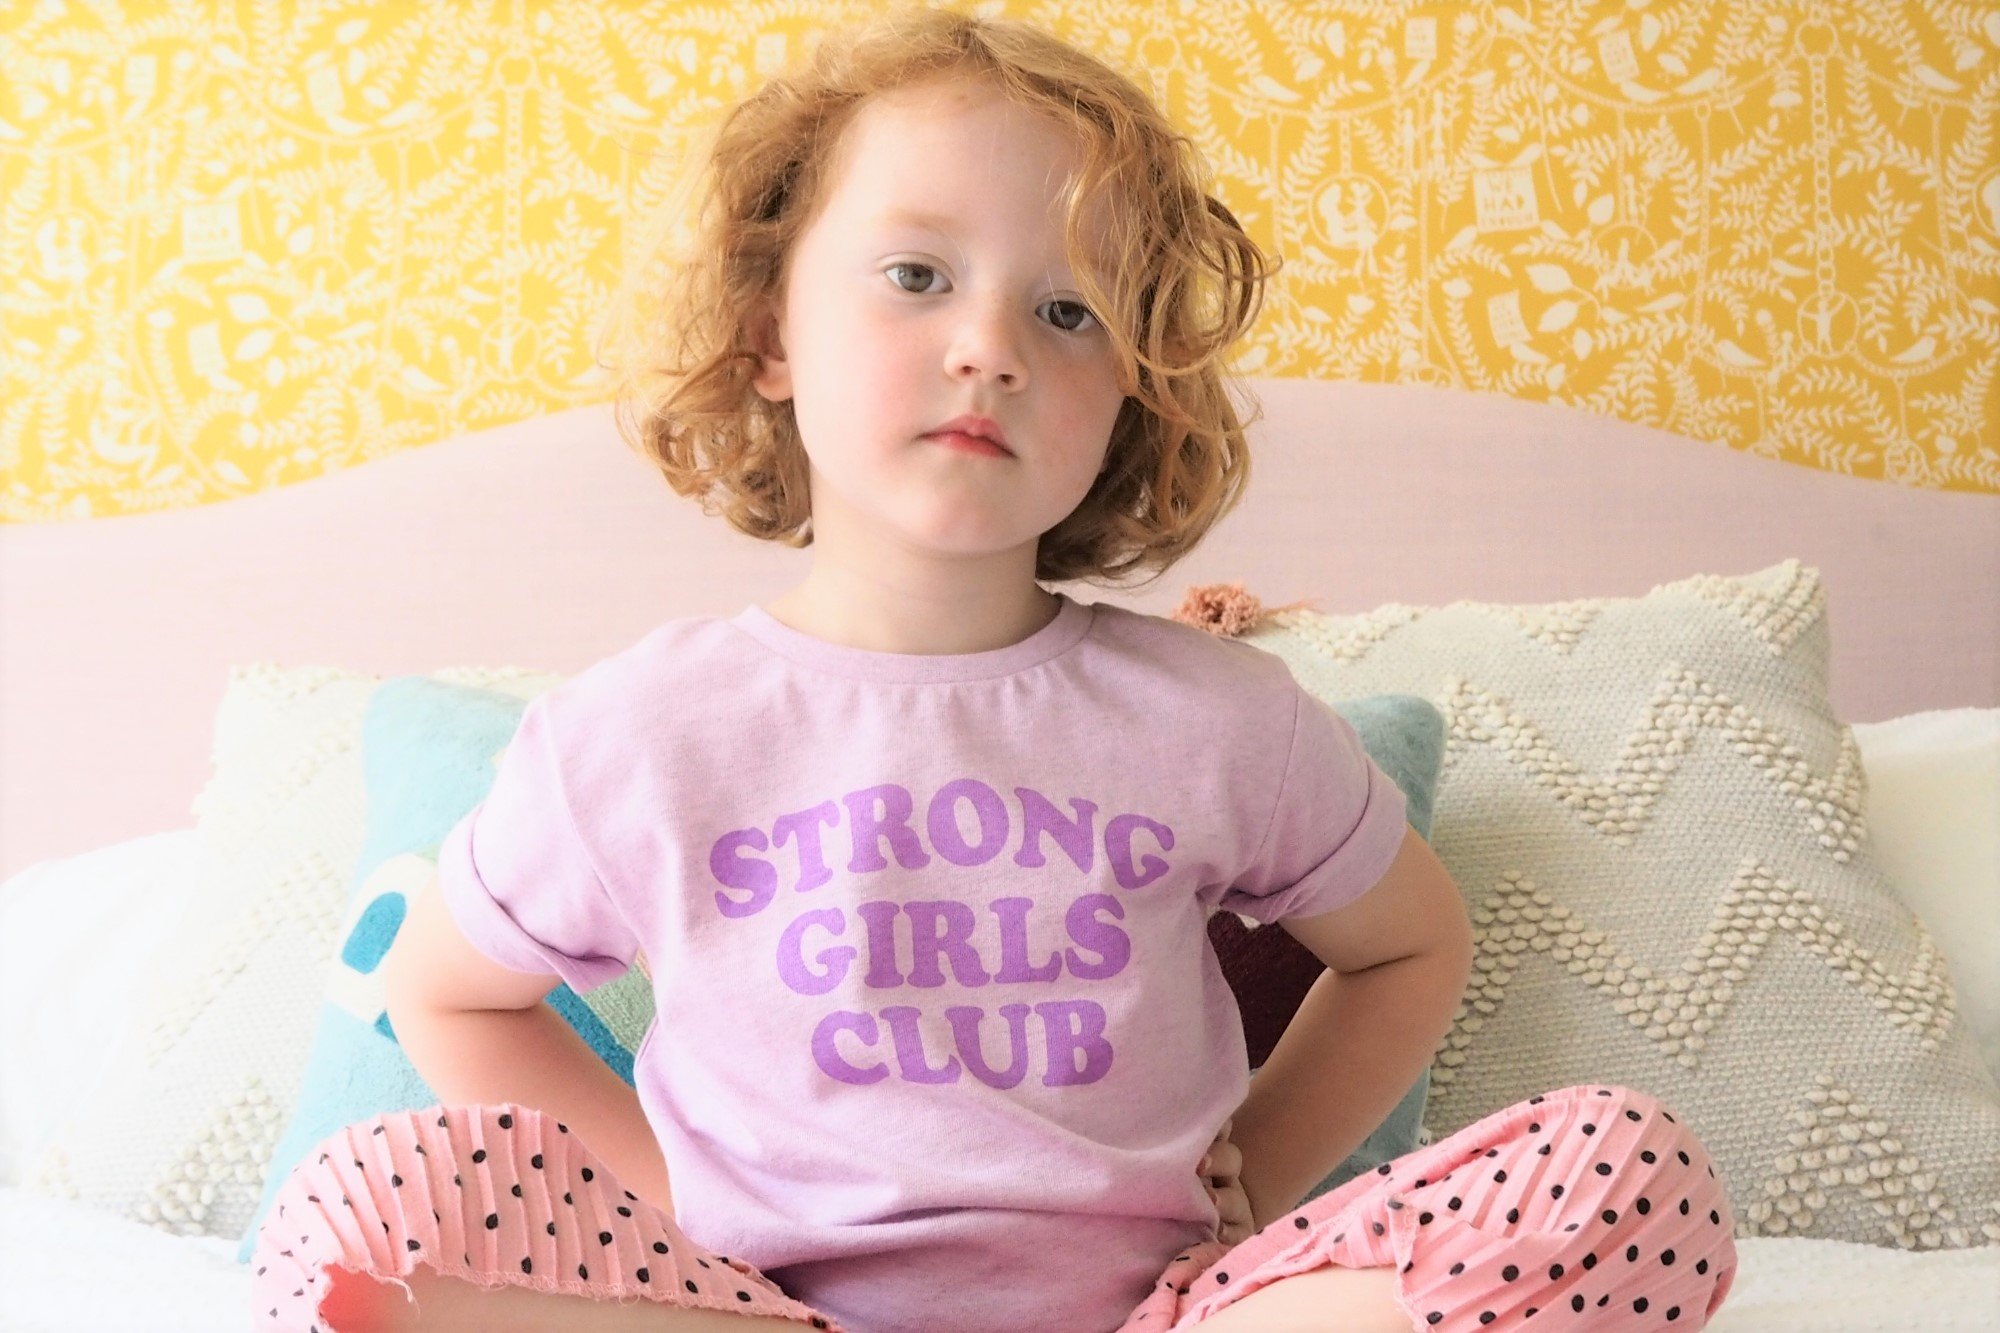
202	1071
1655	818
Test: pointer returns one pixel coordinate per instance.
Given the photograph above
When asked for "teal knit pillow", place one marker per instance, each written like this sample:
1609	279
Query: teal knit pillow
428	756
428	751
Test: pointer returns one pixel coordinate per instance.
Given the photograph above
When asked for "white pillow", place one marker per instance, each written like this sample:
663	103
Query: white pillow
1934	810
197	1059
77	935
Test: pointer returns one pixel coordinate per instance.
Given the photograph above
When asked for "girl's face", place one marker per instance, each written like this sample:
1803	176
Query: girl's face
932	284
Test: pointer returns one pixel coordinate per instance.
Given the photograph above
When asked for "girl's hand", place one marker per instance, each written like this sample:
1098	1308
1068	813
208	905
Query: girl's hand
1218	1171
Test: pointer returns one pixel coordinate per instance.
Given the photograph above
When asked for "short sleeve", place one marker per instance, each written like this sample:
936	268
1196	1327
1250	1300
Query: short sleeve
518	880
1338	824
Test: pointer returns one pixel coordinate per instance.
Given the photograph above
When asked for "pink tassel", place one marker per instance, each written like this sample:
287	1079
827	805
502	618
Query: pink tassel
1225	609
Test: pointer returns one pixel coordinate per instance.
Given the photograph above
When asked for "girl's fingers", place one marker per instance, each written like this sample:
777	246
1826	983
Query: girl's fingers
1233	1218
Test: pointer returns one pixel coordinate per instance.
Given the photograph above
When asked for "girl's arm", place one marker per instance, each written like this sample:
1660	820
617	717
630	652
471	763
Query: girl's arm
1397	959
1357	1043
532	1057
481	1034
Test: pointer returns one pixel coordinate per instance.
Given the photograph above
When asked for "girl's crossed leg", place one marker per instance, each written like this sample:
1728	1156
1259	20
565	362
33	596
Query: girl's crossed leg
489	1218
1587	1202
1593	1201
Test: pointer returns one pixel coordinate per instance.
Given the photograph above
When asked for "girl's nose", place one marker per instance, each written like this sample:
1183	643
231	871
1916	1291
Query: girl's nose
986	344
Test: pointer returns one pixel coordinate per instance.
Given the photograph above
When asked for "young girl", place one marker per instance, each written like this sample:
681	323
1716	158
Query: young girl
920	854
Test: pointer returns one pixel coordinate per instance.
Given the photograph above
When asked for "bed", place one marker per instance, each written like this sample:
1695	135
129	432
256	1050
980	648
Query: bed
546	545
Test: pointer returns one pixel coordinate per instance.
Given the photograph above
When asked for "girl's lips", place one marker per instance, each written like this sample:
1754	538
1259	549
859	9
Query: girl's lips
970	443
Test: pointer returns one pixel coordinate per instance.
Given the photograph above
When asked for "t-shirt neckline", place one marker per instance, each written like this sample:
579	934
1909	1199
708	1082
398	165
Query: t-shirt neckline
1072	621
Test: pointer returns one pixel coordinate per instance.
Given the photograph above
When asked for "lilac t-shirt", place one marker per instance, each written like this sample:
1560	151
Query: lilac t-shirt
939	1034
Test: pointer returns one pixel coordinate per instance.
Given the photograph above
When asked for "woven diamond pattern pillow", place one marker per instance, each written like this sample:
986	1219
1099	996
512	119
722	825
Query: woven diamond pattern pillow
178	1131
1656	820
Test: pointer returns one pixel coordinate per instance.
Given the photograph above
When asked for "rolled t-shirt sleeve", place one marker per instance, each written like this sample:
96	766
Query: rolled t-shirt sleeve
1338	824
518	879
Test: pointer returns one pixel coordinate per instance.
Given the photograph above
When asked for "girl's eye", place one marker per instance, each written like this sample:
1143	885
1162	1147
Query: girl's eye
1082	314
922	268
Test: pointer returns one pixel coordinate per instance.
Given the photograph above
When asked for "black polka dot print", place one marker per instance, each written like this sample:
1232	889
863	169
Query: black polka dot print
526	1202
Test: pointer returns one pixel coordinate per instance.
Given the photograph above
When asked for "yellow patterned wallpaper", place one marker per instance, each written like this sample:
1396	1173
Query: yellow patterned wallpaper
243	244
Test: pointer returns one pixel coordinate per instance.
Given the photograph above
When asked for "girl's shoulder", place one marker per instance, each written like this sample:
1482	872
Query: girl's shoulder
1190	659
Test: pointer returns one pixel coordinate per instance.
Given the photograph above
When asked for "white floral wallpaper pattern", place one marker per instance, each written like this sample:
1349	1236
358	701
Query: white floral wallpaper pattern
245	244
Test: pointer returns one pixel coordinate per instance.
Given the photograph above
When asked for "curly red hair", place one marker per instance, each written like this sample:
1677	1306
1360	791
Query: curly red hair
1177	284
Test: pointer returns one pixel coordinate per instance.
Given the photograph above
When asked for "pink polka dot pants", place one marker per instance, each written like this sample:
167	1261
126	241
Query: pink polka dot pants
492	1195
1590	1208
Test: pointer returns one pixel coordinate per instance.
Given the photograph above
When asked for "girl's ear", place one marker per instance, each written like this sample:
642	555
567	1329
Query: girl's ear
774	375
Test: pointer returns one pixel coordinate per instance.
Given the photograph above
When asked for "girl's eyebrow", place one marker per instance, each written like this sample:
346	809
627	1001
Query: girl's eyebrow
916	217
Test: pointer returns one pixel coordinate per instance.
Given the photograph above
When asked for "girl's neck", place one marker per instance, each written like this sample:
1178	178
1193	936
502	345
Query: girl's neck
886	620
